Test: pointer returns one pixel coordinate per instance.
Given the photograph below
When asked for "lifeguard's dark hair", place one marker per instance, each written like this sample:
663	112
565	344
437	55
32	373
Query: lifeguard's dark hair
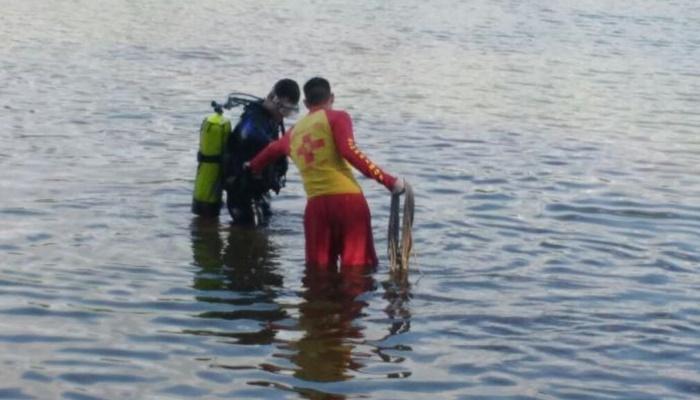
316	91
288	89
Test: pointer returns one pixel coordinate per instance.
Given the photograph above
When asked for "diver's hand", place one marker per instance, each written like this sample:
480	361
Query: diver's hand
399	186
246	166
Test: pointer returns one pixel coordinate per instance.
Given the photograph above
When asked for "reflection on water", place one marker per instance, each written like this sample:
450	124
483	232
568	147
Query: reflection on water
397	293
554	152
243	264
327	318
245	261
238	268
332	345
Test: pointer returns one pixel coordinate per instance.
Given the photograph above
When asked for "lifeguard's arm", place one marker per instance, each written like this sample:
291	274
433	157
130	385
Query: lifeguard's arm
344	139
271	152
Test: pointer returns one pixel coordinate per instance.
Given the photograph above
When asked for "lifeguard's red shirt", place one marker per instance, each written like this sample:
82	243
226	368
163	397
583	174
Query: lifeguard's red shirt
321	145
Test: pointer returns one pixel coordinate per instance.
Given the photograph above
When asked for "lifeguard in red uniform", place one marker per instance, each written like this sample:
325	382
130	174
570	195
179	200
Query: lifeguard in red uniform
337	222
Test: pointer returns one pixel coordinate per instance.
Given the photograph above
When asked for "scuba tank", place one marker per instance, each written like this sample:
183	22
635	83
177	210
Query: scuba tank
206	199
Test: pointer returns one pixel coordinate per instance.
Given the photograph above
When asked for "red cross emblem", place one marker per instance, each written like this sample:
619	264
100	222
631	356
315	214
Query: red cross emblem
308	146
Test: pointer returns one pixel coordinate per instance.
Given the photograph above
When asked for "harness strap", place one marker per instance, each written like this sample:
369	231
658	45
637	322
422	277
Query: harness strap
208	159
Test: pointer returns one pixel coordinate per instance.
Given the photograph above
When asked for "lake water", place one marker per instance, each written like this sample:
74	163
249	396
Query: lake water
554	148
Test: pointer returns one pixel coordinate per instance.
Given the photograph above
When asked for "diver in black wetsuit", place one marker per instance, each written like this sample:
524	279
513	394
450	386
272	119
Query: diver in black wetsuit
248	199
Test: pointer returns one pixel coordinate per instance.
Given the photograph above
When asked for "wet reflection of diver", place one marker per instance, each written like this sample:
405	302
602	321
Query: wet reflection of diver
327	317
245	264
222	152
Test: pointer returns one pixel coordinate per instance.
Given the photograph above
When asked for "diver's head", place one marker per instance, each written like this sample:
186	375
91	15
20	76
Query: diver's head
317	92
283	100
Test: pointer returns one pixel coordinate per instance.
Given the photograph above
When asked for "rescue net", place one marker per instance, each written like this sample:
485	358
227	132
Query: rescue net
400	248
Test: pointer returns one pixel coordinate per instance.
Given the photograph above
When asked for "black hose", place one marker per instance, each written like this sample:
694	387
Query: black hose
400	250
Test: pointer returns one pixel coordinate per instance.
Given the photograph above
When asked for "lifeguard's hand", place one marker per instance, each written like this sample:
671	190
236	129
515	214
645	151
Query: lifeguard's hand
246	168
399	186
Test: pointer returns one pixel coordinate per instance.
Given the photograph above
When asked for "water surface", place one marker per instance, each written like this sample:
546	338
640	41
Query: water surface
554	151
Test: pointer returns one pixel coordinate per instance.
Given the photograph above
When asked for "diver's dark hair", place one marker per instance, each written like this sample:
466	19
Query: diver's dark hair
288	89
316	91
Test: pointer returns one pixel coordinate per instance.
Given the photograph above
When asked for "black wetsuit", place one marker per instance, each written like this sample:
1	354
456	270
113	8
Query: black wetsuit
255	129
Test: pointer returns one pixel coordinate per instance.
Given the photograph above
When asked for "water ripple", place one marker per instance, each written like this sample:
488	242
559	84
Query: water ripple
553	152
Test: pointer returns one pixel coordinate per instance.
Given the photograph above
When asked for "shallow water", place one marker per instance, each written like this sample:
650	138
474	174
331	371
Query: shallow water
554	151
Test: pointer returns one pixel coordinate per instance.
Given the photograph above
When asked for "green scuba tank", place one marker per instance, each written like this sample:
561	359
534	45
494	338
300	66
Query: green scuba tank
206	199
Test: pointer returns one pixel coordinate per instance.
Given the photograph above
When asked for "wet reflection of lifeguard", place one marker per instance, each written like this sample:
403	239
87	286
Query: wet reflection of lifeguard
327	319
241	272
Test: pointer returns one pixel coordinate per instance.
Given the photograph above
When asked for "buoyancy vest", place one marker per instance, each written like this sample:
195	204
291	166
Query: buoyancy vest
253	132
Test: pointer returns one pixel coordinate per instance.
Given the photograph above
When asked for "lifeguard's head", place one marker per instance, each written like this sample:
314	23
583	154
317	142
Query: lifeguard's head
317	92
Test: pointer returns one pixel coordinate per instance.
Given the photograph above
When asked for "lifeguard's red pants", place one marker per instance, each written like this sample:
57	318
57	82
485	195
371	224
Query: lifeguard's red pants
339	226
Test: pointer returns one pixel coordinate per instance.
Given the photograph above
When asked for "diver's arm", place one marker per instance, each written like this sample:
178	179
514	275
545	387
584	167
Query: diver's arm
271	152
341	125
